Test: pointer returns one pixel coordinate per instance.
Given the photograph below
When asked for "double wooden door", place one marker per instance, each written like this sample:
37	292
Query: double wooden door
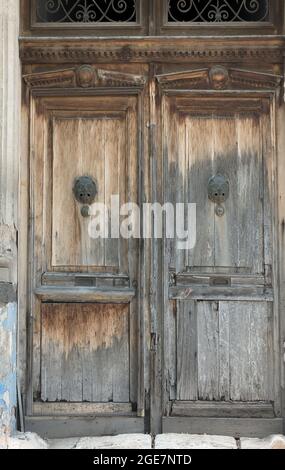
125	329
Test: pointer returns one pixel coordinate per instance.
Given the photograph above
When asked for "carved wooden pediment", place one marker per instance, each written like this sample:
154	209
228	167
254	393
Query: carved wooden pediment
219	78
85	76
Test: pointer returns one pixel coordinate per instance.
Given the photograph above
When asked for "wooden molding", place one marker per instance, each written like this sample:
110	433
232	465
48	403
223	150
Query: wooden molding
269	50
84	76
219	78
85	294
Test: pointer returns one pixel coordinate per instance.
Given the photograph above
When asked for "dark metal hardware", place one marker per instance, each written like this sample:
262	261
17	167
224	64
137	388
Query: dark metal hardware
218	189
85	190
220	281
218	192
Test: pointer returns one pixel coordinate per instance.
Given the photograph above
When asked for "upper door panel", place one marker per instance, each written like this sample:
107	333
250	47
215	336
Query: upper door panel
75	137
204	140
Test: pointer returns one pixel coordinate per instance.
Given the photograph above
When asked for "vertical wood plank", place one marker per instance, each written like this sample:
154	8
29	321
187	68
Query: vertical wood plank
187	386
224	352
208	350
114	132
225	163
200	167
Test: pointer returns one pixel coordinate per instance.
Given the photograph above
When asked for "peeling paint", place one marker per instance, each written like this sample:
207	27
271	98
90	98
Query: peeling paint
8	396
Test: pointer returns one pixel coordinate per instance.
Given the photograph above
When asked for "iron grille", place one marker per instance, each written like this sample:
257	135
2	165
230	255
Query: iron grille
207	11
86	11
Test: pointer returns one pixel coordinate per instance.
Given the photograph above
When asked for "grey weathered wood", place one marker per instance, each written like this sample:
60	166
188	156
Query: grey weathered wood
64	427
208	350
91	409
224	353
222	409
187	350
236	427
249	354
85	294
199	169
235	280
196	292
85	353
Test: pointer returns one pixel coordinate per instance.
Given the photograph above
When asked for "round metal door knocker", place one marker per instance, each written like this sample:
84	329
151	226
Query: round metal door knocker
218	192
85	191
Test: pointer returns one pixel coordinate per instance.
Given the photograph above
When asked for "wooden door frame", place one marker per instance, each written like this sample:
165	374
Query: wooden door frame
161	54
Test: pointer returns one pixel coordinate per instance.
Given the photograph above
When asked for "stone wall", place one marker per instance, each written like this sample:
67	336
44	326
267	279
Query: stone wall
9	157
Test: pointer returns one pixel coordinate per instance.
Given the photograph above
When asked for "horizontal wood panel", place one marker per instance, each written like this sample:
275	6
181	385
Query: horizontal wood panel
67	409
85	294
236	427
68	426
222	409
95	279
196	292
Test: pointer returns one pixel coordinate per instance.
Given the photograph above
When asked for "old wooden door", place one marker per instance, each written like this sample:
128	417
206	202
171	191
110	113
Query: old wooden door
84	337
220	297
106	313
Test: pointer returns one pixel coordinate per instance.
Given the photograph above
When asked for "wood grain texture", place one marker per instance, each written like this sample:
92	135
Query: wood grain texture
85	146
223	351
79	409
231	146
222	409
85	353
235	427
58	427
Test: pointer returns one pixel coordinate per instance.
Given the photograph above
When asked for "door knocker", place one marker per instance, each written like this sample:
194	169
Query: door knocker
85	191
218	192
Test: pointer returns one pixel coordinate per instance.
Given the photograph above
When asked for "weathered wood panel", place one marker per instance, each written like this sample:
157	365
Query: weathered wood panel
58	427
79	409
187	349
222	409
249	353
85	353
200	144
223	351
235	427
208	350
93	146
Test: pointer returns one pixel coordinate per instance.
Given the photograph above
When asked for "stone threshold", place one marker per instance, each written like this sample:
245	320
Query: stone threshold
142	441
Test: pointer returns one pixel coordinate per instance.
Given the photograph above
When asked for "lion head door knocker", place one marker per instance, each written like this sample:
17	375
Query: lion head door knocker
85	191
218	192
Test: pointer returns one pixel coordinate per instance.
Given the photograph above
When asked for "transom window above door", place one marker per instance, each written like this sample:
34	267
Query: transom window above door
152	17
86	11
208	11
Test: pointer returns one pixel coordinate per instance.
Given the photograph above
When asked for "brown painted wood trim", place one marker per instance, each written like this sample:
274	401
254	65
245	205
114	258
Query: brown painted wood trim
84	76
64	427
85	294
219	78
246	49
236	427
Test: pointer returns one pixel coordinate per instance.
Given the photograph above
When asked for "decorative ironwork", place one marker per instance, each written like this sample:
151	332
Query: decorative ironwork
217	10
86	11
